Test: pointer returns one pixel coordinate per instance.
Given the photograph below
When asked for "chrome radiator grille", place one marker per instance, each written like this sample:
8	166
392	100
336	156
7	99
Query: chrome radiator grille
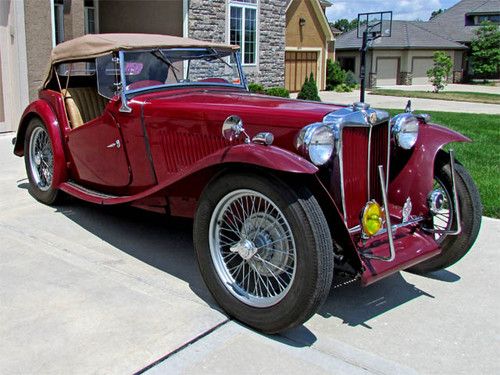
363	150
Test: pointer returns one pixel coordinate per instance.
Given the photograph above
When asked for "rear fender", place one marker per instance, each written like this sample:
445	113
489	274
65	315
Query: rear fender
416	179
42	110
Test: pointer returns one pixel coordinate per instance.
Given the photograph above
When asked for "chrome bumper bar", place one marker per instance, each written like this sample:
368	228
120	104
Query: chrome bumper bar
390	228
392	254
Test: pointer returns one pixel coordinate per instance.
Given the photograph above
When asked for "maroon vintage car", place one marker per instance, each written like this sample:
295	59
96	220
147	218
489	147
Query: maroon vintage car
282	192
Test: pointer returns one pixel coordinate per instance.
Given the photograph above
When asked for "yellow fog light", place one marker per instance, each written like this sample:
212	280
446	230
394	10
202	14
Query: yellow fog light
371	219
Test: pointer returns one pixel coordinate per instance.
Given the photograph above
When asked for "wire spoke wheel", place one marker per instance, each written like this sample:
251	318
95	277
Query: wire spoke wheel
443	219
41	158
252	248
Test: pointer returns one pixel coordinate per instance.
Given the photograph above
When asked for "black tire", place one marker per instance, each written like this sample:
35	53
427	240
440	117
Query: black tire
313	244
454	248
48	194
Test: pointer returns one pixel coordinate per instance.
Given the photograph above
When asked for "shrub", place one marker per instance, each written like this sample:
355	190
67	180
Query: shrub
335	75
486	50
278	91
256	88
439	73
309	90
343	88
350	80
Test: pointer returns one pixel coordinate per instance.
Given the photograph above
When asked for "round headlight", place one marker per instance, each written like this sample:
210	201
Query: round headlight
317	142
405	130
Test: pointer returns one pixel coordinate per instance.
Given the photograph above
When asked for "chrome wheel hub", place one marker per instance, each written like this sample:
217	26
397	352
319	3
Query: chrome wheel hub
440	206
252	248
41	158
245	248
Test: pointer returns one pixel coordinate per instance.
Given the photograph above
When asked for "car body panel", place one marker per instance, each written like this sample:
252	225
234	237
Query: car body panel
416	179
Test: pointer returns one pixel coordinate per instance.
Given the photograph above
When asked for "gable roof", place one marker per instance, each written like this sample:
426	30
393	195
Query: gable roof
451	23
318	10
405	35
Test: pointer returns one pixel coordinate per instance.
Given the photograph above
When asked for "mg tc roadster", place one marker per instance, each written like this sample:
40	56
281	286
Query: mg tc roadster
283	192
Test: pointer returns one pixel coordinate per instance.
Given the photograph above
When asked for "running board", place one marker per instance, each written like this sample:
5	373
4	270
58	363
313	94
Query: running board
90	195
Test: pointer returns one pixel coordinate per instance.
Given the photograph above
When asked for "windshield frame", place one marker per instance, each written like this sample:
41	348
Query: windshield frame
237	61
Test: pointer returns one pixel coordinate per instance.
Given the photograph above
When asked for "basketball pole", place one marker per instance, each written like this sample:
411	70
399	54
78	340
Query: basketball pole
362	69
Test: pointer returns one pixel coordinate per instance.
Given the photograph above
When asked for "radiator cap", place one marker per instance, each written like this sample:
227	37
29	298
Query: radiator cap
360	106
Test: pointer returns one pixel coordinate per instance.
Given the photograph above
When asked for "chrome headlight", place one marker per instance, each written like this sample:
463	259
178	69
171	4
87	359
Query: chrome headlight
405	130
317	142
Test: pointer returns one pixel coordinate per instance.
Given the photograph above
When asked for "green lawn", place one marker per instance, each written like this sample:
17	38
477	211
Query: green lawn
475	97
481	157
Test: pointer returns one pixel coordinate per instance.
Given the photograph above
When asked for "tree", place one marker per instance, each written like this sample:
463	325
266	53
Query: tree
335	75
309	90
485	49
439	73
345	25
436	12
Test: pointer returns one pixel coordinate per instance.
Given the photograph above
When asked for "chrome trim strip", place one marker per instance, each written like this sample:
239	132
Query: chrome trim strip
392	249
458	216
341	166
368	177
415	220
388	168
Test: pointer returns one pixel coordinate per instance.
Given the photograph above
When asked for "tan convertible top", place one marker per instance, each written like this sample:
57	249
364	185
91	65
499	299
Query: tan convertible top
95	45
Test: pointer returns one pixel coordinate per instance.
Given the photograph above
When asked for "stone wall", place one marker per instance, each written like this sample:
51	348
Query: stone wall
208	21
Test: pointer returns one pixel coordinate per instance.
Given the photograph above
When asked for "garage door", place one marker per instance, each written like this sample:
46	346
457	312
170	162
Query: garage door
298	66
387	71
420	68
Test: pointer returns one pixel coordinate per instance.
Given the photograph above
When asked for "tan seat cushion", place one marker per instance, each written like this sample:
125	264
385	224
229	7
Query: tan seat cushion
83	104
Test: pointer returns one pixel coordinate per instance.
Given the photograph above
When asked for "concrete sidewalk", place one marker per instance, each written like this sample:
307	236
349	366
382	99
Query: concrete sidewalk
450	87
89	289
393	102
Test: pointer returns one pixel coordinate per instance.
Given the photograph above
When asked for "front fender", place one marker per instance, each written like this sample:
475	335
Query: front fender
41	109
416	179
268	157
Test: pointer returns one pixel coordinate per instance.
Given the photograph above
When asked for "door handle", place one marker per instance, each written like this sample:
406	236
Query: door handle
116	144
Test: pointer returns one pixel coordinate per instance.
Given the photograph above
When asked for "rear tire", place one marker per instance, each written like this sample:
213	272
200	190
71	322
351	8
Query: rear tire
39	162
455	247
292	256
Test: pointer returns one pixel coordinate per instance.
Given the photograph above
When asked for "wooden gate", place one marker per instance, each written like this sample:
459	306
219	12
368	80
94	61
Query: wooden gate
298	66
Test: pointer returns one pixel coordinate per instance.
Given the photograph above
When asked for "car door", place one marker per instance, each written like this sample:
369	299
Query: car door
98	154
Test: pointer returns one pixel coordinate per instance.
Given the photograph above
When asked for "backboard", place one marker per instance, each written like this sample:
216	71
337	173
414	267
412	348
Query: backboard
378	24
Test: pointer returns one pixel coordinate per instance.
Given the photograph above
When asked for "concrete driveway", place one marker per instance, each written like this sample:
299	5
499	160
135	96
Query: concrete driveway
394	102
88	289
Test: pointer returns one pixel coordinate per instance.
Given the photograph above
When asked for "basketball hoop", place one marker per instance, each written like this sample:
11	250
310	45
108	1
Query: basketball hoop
371	26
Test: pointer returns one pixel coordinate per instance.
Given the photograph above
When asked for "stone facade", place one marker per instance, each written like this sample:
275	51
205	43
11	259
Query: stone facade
405	78
208	21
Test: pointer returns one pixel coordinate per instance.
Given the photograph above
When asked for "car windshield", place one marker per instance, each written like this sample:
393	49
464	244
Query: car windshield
180	66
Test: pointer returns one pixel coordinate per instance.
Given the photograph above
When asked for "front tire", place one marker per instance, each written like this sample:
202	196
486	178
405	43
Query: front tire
264	250
455	247
39	162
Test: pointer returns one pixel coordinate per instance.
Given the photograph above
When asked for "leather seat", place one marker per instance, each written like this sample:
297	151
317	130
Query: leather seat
83	104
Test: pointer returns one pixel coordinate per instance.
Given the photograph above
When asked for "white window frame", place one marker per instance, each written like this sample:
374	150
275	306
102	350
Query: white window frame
57	11
96	17
243	6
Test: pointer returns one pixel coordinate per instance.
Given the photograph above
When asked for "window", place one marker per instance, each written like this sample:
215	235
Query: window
90	15
347	63
243	28
58	21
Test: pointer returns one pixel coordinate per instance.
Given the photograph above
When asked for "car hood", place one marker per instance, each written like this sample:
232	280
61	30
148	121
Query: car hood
254	109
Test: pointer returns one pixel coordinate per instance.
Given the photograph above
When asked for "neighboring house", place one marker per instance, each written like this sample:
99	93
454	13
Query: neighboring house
402	59
29	30
405	57
308	37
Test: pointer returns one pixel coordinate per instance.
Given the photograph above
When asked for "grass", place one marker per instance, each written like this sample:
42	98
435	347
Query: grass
474	97
481	157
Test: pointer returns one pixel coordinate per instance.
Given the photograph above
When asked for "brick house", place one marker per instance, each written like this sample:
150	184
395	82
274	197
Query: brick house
29	30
